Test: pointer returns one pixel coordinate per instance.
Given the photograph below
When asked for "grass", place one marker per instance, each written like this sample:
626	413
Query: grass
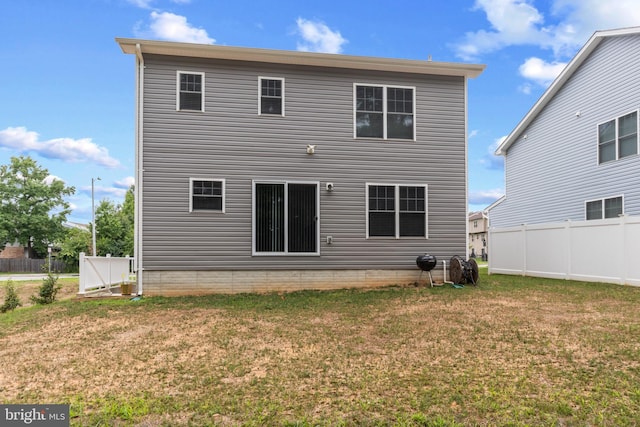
513	351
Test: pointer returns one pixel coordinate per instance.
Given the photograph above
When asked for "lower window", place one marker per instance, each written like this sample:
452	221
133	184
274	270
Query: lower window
604	208
285	218
206	194
396	210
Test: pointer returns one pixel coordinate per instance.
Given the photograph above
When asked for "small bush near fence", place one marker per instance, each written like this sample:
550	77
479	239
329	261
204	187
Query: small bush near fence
47	291
11	301
28	265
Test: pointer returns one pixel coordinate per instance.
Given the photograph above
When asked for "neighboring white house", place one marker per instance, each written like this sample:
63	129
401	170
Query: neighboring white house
478	234
575	156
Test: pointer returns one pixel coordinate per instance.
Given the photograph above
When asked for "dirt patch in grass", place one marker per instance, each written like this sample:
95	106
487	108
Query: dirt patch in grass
495	354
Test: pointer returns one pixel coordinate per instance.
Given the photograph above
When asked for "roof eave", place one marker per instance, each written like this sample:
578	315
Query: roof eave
557	84
300	58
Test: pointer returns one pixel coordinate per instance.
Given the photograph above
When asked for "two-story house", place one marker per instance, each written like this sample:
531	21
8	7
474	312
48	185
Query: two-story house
264	170
574	156
478	234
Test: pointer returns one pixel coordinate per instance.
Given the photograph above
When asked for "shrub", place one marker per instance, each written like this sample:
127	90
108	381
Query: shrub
11	300
48	290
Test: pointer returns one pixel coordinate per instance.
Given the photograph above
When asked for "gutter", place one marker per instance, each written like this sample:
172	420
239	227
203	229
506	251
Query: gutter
137	228
296	58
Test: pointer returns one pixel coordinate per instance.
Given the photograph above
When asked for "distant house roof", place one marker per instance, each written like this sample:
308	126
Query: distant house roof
557	84
137	46
476	215
78	225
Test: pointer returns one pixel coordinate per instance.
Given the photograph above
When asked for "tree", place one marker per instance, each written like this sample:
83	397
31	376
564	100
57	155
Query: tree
114	226
32	205
76	240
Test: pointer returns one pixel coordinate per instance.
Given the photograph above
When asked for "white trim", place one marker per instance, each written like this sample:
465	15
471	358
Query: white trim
260	79
397	209
286	214
202	97
224	191
602	200
138	196
384	87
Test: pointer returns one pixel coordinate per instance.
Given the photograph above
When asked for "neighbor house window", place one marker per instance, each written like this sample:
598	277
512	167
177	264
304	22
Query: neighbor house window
604	208
207	194
190	91
618	138
396	210
271	96
285	218
384	112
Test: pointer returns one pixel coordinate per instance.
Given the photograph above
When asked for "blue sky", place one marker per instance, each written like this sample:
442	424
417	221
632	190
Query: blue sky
67	91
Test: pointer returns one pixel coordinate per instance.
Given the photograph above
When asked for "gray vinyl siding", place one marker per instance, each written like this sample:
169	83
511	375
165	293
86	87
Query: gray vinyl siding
230	141
554	171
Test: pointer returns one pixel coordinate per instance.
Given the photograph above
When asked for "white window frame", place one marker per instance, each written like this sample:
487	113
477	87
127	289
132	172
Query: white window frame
286	183
260	79
397	209
178	73
602	200
224	191
617	137
384	111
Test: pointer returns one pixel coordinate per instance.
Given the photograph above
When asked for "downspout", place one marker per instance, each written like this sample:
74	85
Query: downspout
466	171
137	228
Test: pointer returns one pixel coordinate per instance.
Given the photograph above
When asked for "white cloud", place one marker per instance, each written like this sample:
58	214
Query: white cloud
540	71
101	192
490	160
485	197
125	182
494	146
525	88
147	4
583	17
49	179
519	22
172	27
66	149
513	22
473	133
318	37
143	4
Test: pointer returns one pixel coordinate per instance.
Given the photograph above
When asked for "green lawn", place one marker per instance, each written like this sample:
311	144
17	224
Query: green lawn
512	351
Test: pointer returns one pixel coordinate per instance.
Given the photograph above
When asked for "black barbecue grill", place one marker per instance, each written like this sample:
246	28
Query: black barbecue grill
426	263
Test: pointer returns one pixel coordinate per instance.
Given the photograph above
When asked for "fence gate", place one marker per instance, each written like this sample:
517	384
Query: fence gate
103	273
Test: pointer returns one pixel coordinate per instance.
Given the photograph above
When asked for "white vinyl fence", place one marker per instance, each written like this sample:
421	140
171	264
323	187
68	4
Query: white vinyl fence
100	273
605	250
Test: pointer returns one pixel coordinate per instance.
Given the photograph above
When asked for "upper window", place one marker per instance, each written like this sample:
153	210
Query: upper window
271	96
190	91
618	138
604	208
207	195
384	112
396	210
